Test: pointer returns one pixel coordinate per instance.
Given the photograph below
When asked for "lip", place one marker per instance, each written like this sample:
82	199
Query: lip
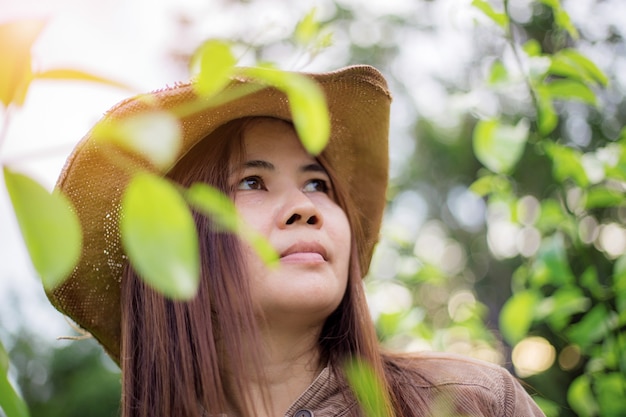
305	252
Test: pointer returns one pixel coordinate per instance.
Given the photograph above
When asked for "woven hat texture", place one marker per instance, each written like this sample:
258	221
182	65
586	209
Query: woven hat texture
358	102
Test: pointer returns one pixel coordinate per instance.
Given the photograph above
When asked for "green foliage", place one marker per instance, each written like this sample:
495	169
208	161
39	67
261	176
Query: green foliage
367	388
215	64
155	135
498	146
306	101
159	236
221	209
12	404
50	228
564	291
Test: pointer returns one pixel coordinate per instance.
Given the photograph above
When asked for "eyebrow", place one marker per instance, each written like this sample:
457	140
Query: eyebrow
257	163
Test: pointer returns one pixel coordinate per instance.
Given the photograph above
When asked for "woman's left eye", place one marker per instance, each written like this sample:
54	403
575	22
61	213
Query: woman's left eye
316	185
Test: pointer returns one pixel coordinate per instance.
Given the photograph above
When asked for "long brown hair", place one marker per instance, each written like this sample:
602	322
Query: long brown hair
175	354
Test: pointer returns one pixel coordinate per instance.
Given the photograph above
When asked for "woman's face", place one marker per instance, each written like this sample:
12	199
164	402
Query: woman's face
286	195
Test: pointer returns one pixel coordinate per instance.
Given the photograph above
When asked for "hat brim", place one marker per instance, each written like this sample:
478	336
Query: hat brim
358	102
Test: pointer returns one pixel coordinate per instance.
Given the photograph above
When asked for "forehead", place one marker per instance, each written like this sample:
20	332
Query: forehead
267	138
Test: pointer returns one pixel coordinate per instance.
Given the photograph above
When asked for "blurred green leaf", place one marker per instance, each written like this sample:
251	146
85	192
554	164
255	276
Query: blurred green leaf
547	118
501	19
10	402
551	216
619	282
601	196
307	103
4	360
593	326
307	29
517	315
155	135
611	389
221	209
367	388
589	280
49	226
551	264
571	63
581	398
561	18
571	90
214	64
532	47
159	236
490	184
498	73
559	308
498	146
16	40
77	75
566	164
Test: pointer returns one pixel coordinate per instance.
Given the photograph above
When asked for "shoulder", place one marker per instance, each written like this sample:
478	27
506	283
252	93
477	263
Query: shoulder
470	385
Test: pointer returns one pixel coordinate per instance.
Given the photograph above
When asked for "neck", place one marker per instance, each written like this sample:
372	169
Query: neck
290	363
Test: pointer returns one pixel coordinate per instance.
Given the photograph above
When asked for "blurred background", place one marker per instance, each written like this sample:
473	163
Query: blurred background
518	266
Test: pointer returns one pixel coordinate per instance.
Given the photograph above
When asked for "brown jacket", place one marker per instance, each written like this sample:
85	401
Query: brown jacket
438	384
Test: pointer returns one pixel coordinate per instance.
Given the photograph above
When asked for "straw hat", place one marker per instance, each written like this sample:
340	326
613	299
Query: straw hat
358	102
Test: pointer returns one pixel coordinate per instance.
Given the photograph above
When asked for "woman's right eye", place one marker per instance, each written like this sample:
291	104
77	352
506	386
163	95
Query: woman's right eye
251	183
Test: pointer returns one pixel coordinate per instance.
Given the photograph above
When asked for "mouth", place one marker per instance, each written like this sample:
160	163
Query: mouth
304	252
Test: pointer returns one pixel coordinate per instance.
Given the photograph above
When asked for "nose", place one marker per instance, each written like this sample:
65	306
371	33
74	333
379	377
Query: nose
299	209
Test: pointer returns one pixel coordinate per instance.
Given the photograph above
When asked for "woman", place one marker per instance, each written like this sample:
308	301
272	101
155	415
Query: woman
257	340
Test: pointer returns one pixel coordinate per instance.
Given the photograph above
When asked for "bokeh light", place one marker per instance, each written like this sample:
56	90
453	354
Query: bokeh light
532	356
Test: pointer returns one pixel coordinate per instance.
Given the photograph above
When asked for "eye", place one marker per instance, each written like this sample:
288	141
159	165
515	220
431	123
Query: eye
251	183
316	185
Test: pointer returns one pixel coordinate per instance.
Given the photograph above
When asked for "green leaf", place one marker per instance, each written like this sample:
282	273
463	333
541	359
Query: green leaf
532	48
571	63
155	135
49	226
214	64
307	103
517	315
581	398
601	196
567	164
498	73
611	389
221	209
552	265
490	184
559	308
77	75
16	40
10	402
501	19
589	280
595	325
159	236
307	29
561	18
571	90
619	282
547	118
367	388
498	146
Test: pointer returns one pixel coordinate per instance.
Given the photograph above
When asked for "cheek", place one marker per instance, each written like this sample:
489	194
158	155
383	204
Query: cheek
251	212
